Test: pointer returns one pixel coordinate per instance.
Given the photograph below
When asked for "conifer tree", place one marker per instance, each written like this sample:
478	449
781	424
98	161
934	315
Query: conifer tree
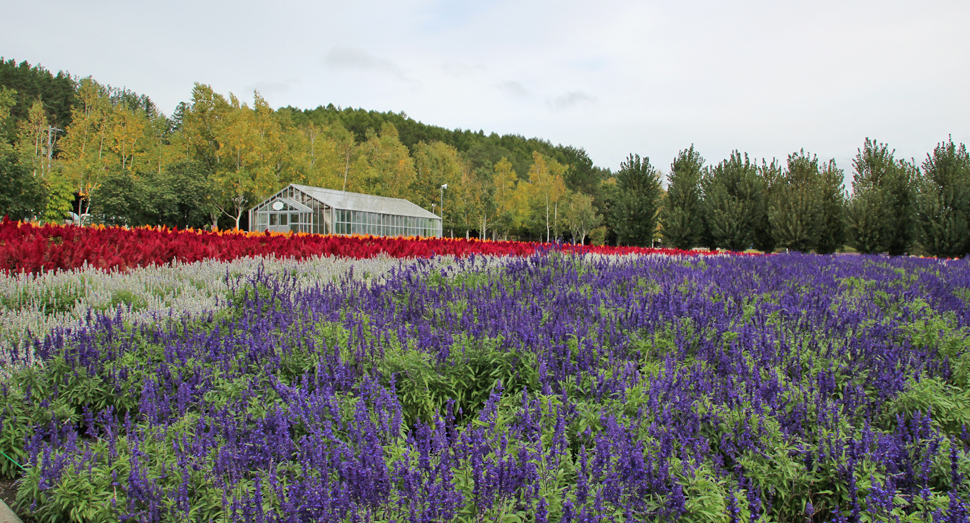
805	211
637	203
832	208
682	220
879	216
770	175
943	202
733	202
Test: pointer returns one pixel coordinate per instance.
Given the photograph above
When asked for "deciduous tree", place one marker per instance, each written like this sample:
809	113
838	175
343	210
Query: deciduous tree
22	195
479	190
84	151
547	189
35	141
437	164
508	204
249	157
580	216
319	154
388	166
118	200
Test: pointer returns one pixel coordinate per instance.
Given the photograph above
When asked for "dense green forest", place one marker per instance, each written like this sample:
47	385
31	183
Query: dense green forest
71	144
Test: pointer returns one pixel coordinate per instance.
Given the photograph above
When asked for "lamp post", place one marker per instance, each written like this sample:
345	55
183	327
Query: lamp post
443	187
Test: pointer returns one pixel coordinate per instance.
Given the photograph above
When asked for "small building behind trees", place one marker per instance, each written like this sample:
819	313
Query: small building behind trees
302	208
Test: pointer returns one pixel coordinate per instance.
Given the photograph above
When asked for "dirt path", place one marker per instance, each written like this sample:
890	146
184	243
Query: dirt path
8	493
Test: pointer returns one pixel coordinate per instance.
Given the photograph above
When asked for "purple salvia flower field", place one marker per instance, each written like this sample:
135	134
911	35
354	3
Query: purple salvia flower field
547	388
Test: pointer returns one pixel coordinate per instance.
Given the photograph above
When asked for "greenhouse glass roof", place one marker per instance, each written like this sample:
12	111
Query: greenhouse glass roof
365	202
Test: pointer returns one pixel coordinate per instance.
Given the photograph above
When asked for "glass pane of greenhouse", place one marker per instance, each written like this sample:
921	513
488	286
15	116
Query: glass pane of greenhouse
305	209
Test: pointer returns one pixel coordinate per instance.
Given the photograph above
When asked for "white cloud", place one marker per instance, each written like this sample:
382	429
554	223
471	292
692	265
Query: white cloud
460	70
514	89
353	58
570	99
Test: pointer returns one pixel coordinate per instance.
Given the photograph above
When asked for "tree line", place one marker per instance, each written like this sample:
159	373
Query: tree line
75	145
116	157
896	206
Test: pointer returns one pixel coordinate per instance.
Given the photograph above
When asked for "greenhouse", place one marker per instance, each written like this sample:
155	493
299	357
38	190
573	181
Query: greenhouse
301	208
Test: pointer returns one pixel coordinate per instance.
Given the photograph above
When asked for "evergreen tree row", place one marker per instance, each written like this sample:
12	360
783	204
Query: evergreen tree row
896	206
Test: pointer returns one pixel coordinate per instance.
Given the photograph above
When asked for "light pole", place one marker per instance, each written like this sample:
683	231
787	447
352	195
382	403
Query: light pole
443	187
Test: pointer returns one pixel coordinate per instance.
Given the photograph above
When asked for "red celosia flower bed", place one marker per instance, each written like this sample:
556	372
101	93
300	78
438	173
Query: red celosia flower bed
30	248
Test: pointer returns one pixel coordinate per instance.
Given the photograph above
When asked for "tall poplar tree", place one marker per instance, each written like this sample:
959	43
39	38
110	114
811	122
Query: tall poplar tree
36	143
637	205
34	135
943	202
125	127
682	218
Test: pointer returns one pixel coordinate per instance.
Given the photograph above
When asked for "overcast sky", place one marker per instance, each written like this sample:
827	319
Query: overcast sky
612	77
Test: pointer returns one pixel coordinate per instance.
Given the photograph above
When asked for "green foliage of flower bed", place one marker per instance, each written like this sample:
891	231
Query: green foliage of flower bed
552	388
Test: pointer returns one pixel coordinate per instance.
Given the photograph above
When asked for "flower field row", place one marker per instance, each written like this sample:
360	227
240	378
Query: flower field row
554	387
35	305
35	249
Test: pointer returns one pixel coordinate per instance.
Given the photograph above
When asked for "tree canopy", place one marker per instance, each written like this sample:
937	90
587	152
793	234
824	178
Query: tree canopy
683	220
943	201
638	202
68	142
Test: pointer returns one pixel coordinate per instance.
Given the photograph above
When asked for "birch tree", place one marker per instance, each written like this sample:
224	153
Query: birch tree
548	188
85	147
